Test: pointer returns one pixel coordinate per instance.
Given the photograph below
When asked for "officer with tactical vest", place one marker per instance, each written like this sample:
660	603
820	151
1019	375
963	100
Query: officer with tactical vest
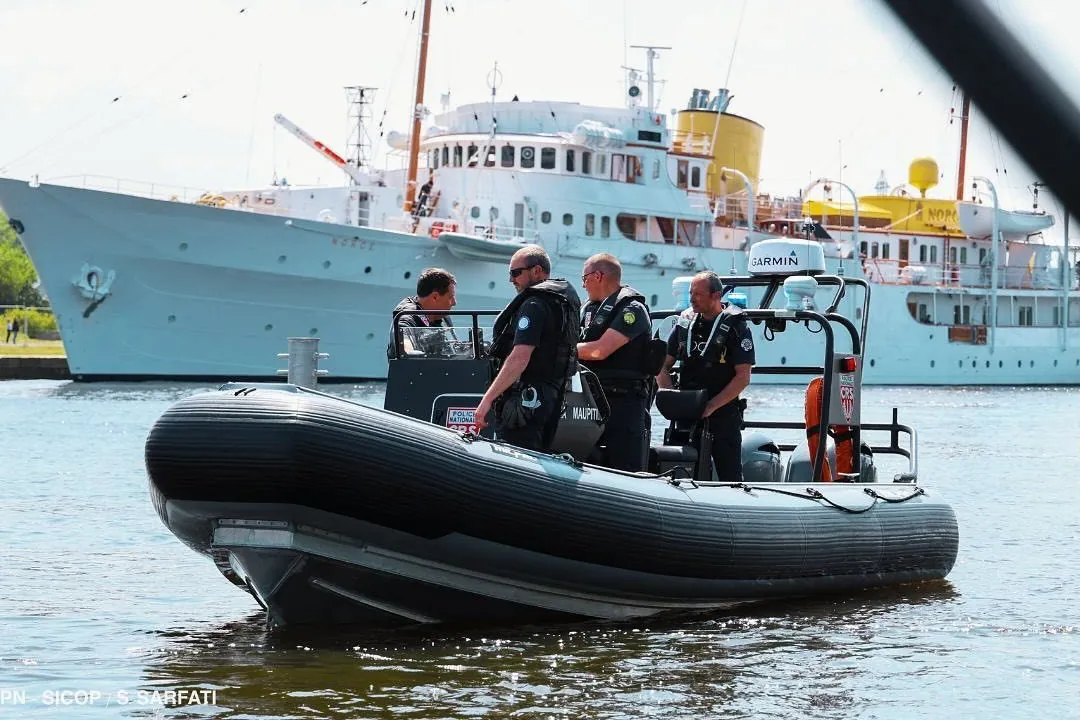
716	350
615	344
534	343
435	290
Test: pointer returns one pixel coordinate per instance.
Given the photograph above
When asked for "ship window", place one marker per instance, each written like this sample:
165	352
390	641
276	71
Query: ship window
1057	317
695	176
649	136
601	164
586	162
873	250
680	174
885	250
922	253
633	168
545	217
618	167
656	169
475	212
952	254
489	159
590	224
507	159
965	313
605	231
1027	315
567	219
446	155
933	253
434	162
862	248
963	256
924	316
547	158
569	161
528	156
457	156
982	255
473	157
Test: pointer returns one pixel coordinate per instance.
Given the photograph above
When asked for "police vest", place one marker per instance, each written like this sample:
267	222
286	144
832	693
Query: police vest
630	362
703	369
565	307
409	305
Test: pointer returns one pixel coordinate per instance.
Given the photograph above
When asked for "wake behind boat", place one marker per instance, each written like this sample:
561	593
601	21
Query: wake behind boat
328	511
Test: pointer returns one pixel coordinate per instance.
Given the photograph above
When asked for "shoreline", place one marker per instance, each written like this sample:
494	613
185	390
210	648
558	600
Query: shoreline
34	367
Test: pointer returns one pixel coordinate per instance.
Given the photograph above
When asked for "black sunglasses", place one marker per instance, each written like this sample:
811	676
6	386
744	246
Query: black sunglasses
514	272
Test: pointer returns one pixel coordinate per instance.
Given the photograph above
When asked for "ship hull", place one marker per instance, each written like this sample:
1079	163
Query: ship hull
191	292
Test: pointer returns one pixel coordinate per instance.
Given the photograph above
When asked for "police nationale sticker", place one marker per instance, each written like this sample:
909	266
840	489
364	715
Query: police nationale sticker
629	317
461	419
523	323
747	344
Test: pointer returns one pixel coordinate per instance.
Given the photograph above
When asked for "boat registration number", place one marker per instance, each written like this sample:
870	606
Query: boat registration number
461	419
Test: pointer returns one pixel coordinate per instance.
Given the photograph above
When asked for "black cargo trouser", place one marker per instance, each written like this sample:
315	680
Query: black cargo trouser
726	427
627	431
539	432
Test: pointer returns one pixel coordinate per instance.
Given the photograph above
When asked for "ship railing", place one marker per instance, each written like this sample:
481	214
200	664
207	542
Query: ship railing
499	231
691	143
1011	277
125	186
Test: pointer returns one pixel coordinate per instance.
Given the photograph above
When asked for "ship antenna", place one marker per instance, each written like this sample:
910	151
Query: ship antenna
650	76
359	142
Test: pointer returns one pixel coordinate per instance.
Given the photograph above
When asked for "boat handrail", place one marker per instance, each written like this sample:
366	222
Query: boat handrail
476	349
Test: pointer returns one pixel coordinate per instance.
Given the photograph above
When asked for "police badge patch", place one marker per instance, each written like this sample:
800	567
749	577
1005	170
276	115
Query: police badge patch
523	323
747	344
628	317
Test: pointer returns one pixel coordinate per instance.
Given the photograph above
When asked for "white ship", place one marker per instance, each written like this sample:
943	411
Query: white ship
158	287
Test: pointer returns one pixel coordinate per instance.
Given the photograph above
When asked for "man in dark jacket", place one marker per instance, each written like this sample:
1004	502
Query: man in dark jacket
424	333
615	335
534	342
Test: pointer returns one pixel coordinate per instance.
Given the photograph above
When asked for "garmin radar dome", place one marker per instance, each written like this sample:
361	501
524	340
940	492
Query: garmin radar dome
786	256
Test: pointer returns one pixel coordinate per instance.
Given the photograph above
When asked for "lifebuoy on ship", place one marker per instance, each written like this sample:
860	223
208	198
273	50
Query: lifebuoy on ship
439	227
842	435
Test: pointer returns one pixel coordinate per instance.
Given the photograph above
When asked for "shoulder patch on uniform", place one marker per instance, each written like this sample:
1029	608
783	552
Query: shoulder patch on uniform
523	322
629	317
747	344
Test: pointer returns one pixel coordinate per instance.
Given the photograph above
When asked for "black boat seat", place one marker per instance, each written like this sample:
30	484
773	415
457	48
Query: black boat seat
681	405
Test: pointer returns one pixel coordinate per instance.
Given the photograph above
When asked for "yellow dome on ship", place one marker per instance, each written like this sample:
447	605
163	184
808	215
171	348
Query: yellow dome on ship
923	174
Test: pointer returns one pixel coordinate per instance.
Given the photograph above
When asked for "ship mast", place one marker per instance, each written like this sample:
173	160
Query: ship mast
965	114
414	138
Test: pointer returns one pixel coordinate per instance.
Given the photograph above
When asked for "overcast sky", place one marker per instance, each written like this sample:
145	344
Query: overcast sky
839	86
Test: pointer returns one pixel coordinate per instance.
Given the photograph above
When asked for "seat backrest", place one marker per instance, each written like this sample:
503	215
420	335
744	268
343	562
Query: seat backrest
681	405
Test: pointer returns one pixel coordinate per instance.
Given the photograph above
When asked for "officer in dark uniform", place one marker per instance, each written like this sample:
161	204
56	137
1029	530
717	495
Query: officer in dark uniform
716	350
535	344
615	344
435	290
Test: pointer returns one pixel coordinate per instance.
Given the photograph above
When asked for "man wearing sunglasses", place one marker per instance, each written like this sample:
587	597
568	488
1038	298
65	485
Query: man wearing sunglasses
615	344
534	344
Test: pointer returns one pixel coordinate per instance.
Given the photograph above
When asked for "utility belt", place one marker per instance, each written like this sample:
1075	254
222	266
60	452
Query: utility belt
516	407
619	388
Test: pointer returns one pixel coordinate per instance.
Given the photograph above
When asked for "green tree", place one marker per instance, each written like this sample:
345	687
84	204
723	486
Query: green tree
18	279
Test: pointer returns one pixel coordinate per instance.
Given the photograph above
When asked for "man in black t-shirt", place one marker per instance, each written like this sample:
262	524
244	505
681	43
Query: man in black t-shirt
716	361
615	332
534	341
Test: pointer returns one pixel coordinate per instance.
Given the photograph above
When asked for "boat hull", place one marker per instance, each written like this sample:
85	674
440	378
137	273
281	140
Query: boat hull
192	292
327	511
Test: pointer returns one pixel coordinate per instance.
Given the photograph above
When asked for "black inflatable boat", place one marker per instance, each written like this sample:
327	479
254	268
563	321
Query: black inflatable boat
328	511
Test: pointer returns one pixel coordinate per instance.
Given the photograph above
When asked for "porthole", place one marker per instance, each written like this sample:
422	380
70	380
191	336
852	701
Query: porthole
783	360
281	258
326	264
367	270
987	363
1001	363
567	219
408	274
475	212
268	327
960	363
871	362
1055	363
183	246
655	299
1019	363
370	336
313	332
491	285
972	363
545	217
931	363
1031	363
172	318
